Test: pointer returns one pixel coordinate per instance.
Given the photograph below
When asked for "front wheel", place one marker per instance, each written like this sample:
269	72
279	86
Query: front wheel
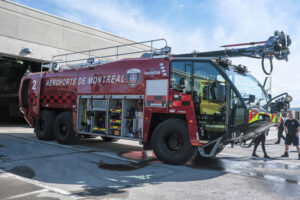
171	143
63	129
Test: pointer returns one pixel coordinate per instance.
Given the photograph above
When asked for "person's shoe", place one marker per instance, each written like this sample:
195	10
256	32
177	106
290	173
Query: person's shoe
298	156
266	156
286	154
277	142
254	155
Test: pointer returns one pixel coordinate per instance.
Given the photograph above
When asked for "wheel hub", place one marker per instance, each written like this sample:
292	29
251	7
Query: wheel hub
174	143
64	129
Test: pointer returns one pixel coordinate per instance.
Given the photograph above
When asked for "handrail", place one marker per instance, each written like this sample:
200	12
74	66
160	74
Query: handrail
71	60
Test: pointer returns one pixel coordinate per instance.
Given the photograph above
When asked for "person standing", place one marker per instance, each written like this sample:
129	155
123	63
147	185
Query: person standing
261	138
292	130
280	129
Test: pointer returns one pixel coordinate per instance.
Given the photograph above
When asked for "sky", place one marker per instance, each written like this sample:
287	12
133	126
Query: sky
195	25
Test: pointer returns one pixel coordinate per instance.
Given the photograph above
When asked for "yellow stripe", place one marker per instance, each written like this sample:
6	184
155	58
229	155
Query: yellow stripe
99	129
115	110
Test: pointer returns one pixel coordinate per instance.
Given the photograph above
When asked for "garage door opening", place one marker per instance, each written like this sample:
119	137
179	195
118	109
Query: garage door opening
11	72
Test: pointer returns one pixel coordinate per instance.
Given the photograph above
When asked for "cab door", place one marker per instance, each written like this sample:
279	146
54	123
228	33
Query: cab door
209	91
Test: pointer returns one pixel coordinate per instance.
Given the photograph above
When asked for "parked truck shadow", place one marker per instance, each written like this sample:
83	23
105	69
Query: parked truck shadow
89	165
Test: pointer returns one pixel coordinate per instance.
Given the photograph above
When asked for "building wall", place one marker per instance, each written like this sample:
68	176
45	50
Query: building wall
48	35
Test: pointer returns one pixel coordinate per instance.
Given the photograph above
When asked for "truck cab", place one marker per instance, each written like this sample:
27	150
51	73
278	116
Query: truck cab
230	105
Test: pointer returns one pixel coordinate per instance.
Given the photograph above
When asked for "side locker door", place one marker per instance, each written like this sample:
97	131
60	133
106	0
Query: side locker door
34	95
156	93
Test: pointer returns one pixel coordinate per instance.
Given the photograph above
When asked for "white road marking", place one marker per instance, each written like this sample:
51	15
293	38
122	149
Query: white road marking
98	151
37	183
26	194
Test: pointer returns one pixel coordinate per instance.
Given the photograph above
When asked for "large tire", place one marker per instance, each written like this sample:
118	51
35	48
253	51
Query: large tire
44	125
171	143
109	139
63	129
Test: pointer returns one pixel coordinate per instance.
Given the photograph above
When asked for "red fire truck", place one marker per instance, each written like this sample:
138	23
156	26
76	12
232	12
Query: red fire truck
177	105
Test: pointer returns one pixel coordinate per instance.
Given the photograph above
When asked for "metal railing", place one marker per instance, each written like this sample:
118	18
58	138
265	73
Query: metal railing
106	54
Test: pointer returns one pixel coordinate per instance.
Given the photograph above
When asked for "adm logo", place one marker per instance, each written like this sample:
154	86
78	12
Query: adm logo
133	77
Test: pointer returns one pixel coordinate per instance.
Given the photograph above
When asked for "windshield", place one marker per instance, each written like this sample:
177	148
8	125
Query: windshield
247	85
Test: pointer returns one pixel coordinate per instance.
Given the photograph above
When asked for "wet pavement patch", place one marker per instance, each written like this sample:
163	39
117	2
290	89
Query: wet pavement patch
122	167
270	177
22	170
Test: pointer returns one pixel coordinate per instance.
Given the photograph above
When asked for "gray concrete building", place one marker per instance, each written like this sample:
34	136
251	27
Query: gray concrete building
29	37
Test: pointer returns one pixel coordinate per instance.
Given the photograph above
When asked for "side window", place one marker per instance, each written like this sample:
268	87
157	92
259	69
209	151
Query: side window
206	71
181	76
206	80
237	110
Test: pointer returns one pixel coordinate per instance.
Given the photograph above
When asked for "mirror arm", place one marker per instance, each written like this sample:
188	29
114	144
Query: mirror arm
285	93
265	82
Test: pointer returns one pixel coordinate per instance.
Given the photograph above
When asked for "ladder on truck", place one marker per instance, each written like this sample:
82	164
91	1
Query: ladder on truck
91	58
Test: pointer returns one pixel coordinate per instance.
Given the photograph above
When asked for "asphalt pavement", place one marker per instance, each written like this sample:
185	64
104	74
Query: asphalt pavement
94	169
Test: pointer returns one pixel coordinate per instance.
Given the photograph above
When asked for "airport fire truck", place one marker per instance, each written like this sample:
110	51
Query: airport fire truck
178	105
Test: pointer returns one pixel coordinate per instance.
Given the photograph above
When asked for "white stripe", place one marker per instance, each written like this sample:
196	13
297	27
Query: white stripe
37	183
27	194
74	148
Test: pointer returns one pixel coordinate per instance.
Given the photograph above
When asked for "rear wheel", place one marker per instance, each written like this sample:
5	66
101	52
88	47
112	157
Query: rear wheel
44	125
63	129
171	143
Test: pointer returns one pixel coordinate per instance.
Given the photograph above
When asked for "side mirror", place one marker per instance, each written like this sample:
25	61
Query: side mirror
251	98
